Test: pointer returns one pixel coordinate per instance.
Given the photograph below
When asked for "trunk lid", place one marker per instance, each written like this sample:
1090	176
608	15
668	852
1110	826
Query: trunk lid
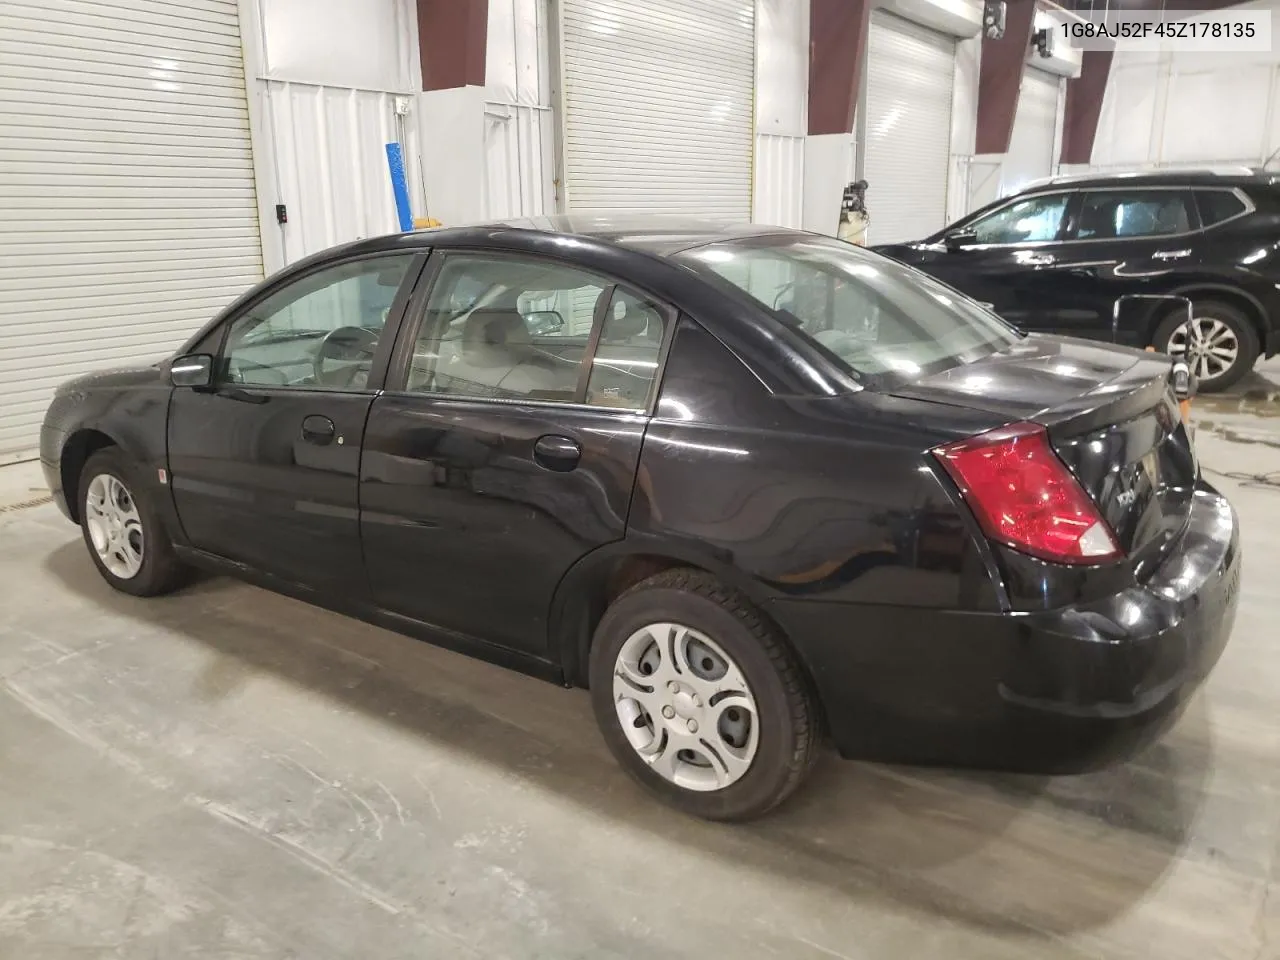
1112	417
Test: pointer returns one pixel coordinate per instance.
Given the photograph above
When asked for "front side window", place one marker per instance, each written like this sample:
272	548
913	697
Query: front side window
522	332
1033	220
1110	214
319	332
878	318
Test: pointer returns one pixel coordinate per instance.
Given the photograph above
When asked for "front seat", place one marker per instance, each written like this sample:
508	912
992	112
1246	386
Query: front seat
496	356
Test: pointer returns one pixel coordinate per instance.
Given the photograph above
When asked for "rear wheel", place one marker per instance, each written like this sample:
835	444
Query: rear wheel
699	698
123	529
1218	343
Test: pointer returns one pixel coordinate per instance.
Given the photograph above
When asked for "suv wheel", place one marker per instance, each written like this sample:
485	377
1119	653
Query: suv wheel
122	528
699	699
1218	343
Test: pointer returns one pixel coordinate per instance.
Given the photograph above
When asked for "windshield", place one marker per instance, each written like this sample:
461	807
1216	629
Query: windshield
876	317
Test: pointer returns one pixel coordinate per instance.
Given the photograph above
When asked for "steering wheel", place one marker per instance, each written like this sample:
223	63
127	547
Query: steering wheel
350	345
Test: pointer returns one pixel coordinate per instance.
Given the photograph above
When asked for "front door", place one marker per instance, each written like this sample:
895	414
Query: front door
510	448
1004	264
264	466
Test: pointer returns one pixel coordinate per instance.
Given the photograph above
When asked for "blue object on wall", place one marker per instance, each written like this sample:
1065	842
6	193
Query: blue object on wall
399	186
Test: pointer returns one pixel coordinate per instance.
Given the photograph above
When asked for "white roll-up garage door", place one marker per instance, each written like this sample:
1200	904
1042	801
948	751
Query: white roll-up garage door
907	128
658	100
127	210
1035	127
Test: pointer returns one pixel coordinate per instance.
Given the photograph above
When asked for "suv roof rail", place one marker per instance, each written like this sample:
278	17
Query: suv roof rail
1216	171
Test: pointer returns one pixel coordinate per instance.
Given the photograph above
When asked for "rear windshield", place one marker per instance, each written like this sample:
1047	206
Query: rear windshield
877	318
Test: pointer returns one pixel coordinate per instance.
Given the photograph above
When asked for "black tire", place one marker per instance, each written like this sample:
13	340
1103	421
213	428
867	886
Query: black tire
1239	324
161	571
788	734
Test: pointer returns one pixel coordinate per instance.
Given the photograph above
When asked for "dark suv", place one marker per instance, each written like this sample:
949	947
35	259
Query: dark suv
1187	262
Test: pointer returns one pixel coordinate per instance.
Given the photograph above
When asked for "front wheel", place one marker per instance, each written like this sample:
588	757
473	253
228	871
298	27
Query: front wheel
1218	343
122	528
699	698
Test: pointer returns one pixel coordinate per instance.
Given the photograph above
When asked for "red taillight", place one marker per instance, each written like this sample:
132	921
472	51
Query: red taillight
1024	496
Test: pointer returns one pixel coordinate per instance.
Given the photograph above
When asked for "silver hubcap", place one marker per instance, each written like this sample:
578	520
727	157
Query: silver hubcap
1208	345
685	707
114	526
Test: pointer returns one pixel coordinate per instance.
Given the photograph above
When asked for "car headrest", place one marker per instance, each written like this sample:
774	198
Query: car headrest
490	336
628	320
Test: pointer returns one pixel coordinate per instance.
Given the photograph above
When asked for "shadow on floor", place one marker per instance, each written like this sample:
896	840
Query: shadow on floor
993	852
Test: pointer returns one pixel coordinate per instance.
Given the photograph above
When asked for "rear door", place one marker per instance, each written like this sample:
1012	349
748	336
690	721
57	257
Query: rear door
1122	241
506	445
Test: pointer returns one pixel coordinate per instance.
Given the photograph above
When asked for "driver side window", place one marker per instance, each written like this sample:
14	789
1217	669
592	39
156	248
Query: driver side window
319	332
1033	220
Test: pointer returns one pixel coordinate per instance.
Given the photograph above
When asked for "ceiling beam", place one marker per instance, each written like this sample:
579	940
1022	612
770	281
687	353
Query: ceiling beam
452	36
1084	106
837	51
1000	77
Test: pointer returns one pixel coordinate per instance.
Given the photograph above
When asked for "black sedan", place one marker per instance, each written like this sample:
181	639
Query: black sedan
747	485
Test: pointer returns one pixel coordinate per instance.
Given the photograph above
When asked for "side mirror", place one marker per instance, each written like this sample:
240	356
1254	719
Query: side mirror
544	321
961	239
193	370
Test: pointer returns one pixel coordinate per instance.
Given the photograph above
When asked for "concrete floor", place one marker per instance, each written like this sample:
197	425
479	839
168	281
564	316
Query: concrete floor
227	773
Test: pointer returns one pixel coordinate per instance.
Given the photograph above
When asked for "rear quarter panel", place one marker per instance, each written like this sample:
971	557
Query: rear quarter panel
830	499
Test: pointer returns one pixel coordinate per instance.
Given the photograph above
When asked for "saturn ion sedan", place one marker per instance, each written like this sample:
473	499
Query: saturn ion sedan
751	487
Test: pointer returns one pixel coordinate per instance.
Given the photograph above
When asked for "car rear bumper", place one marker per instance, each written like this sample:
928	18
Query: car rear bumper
1055	691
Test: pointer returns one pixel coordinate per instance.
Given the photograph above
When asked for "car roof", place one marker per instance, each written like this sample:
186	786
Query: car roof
652	234
1195	177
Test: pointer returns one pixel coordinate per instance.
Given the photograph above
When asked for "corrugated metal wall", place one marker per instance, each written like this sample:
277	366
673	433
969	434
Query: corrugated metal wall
331	164
782	102
328	75
779	180
518	160
519	126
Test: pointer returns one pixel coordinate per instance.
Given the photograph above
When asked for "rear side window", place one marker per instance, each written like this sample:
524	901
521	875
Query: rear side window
1108	214
1218	205
881	320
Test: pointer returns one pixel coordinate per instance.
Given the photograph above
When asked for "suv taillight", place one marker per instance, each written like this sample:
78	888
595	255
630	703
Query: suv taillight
1025	497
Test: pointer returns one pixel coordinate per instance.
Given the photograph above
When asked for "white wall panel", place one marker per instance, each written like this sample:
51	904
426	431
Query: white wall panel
517	68
782	111
518	146
128	210
964	127
658	106
342	43
1166	109
329	74
518	161
779	179
330	153
455	176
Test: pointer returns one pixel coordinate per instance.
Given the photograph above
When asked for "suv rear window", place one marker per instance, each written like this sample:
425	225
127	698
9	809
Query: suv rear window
1218	205
877	318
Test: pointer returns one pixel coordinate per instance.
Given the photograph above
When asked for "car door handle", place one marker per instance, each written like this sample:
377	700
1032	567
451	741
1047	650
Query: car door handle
318	430
243	396
1170	254
1037	259
557	453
